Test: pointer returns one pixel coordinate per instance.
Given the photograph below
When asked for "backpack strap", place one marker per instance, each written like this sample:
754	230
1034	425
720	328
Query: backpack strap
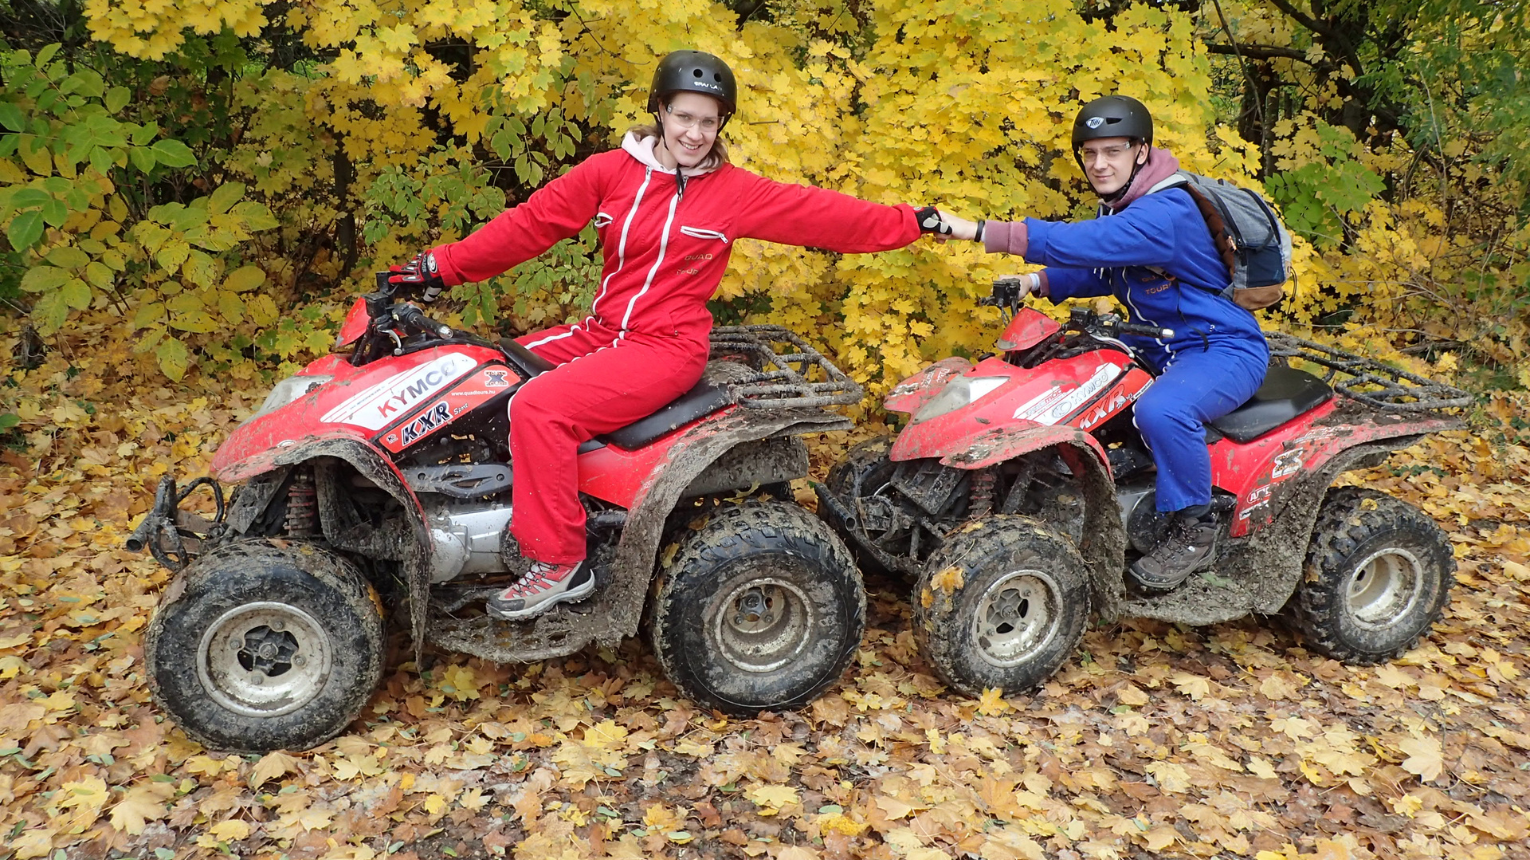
1173	180
1216	222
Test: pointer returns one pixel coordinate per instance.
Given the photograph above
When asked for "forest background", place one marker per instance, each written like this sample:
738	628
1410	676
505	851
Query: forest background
193	192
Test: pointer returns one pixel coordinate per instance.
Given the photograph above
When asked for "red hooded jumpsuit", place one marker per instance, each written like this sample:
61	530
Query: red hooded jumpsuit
645	342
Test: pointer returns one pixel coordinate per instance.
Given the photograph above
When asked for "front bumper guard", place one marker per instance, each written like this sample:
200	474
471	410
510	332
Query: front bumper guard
173	536
845	521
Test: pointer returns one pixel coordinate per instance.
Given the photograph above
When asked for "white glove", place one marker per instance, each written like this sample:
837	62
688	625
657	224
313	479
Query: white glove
1025	285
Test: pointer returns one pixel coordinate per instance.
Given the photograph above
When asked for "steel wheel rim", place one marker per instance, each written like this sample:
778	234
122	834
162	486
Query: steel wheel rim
264	659
762	624
1384	587
1017	617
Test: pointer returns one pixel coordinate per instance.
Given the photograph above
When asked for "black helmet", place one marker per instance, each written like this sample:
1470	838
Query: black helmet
693	72
1112	116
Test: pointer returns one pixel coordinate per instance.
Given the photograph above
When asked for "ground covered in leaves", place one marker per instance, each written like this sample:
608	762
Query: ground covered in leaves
1227	741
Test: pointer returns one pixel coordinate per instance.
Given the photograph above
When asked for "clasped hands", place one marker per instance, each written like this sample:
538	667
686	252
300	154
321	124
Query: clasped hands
961	228
946	226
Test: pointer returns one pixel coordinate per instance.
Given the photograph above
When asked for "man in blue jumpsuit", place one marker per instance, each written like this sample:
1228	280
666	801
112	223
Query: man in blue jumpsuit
1155	254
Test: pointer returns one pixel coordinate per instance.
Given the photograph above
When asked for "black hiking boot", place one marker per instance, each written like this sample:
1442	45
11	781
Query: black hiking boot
1186	549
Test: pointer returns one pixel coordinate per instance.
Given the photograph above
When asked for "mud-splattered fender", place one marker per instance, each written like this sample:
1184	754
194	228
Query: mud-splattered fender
264	474
912	393
1271	559
991	447
687	459
1104	544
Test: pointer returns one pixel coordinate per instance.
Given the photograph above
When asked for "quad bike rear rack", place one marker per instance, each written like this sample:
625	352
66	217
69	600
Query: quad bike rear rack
1368	380
796	376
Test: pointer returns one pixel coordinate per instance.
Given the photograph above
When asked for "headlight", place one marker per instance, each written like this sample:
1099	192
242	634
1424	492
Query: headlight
288	390
958	393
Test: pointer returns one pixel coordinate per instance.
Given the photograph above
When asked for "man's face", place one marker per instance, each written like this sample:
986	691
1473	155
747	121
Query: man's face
1108	162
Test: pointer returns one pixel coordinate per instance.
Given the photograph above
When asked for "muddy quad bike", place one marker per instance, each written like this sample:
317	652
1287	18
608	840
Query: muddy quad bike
378	481
1019	492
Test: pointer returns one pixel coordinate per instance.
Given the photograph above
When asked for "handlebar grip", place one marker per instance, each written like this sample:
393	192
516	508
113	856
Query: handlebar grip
413	317
1146	330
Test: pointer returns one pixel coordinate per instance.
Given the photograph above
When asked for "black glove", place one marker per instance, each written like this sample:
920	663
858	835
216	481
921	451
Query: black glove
421	272
930	221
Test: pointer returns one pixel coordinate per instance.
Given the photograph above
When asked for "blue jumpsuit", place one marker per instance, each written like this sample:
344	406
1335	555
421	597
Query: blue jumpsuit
1157	258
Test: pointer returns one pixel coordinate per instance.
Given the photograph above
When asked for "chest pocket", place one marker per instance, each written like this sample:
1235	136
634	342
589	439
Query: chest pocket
704	233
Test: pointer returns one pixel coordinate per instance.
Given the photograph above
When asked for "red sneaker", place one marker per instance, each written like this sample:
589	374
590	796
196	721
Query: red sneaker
542	588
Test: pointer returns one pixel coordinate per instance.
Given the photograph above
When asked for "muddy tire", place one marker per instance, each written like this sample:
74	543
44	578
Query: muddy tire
1002	605
865	471
759	609
256	647
1377	576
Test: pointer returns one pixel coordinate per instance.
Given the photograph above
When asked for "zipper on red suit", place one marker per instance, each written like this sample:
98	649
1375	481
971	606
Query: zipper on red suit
621	246
669	220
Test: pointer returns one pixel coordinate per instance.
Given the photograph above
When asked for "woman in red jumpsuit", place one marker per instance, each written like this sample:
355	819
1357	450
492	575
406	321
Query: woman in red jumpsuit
667	207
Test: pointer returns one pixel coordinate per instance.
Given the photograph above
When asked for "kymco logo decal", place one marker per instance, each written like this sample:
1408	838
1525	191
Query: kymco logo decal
386	401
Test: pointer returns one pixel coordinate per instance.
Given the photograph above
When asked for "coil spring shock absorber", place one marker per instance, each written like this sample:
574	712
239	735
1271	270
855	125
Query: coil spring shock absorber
302	505
983	482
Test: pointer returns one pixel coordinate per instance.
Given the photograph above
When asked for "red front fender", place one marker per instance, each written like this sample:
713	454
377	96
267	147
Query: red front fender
249	452
997	445
914	392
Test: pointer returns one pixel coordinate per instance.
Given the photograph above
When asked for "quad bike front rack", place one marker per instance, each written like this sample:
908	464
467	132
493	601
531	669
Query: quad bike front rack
796	376
1368	380
174	536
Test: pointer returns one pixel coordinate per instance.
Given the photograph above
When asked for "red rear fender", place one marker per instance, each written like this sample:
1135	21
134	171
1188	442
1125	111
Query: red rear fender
1254	471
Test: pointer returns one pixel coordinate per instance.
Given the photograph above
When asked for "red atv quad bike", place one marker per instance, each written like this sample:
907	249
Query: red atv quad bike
1019	493
378	482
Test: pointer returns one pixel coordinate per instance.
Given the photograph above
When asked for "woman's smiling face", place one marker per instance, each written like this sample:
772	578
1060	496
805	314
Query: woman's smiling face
690	123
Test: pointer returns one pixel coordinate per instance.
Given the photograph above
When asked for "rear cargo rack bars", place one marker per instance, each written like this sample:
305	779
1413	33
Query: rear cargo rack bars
796	376
1367	380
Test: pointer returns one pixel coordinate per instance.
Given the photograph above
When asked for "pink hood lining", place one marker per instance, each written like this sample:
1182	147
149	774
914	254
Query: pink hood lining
1161	164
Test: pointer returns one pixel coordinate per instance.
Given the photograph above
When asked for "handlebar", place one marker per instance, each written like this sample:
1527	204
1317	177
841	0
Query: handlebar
1007	293
410	316
1111	325
1145	330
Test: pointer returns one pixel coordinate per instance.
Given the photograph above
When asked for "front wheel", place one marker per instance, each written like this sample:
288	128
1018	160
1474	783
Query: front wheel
1377	576
758	608
258	647
1002	604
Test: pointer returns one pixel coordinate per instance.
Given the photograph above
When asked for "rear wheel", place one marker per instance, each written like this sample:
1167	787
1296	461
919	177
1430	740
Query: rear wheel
258	647
1377	576
759	608
1002	604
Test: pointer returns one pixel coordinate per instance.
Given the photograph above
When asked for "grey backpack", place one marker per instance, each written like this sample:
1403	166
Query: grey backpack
1248	234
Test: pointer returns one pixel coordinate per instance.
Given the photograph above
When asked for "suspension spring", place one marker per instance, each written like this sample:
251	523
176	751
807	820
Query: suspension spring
983	482
302	505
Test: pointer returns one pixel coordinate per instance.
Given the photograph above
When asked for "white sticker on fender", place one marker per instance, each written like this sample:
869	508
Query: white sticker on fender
386	401
1055	405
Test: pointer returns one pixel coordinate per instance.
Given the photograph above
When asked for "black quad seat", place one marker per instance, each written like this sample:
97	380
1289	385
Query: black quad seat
527	362
703	399
1285	394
